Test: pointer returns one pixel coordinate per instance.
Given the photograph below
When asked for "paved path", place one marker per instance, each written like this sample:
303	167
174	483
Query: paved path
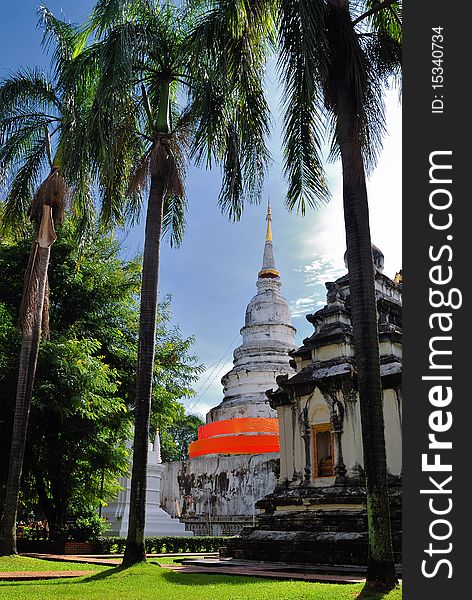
111	560
88	559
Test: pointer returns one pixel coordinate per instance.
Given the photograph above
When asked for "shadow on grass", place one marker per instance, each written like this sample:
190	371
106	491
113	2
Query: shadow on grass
369	594
105	574
195	579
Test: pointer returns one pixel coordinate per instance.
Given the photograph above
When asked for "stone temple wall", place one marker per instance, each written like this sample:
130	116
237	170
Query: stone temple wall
218	490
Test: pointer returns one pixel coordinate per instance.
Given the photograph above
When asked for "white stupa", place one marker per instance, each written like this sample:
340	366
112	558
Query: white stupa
267	338
233	462
158	522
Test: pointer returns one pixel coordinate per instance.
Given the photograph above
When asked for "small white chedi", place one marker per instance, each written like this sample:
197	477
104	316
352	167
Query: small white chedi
158	522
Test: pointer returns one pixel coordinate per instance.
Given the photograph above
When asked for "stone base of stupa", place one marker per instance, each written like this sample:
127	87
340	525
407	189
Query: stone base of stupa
216	495
158	523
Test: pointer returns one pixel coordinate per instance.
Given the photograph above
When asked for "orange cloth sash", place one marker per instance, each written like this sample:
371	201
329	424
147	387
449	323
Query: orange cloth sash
235	444
243	425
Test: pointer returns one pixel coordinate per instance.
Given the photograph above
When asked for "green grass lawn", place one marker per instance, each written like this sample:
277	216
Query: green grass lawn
23	563
148	581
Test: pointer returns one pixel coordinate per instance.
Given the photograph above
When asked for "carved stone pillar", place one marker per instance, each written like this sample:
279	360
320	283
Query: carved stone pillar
295	476
337	419
305	426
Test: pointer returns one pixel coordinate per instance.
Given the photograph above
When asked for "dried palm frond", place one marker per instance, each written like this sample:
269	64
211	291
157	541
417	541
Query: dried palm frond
53	192
175	178
140	176
163	162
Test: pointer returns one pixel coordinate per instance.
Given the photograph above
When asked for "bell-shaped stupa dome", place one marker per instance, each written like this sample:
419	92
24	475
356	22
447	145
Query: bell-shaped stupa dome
268	336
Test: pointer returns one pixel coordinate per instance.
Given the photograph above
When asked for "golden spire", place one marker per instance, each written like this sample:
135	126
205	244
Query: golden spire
269	219
268	263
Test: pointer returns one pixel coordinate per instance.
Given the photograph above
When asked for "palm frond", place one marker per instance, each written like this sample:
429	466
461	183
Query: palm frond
139	178
109	13
82	73
303	44
353	79
231	198
230	44
176	203
28	89
177	173
173	223
22	186
21	119
16	146
83	209
208	104
384	53
387	20
64	39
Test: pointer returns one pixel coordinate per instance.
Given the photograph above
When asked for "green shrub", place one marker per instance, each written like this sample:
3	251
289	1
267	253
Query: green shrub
87	528
165	544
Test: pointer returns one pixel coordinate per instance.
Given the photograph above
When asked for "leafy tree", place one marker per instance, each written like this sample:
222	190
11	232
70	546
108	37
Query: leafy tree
177	436
81	412
144	135
39	121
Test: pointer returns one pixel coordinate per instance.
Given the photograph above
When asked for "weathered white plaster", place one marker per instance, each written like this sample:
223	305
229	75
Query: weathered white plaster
218	485
331	366
393	432
268	336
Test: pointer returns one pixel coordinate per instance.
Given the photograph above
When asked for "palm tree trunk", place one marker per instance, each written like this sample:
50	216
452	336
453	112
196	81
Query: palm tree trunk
381	568
34	303
135	549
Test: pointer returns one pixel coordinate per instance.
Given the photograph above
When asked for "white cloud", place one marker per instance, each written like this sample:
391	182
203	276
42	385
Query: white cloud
301	307
321	270
315	274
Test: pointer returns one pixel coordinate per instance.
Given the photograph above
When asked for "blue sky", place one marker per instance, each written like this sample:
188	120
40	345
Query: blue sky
212	276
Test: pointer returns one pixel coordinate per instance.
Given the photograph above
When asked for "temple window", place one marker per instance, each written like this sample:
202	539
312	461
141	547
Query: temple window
323	450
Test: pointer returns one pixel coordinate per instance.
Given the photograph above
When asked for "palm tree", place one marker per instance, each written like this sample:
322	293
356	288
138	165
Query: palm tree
38	121
336	58
143	139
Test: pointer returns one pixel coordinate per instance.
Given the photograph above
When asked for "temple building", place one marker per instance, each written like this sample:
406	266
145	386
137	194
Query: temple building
317	511
234	462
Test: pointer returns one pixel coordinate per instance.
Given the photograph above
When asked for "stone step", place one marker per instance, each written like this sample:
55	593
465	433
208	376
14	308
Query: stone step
329	555
320	547
286	567
316	522
277	566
